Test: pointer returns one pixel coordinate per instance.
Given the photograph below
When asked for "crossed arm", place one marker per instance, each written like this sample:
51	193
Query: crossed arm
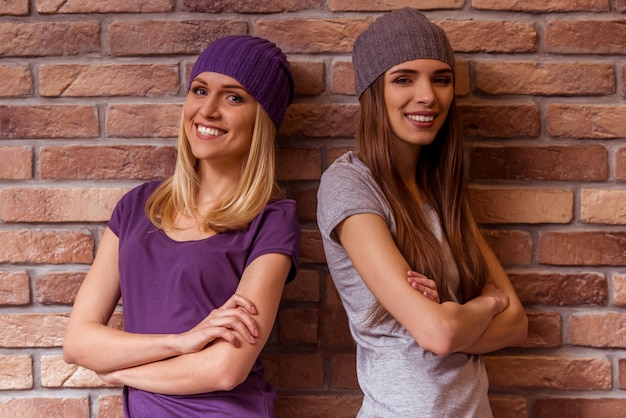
491	321
217	354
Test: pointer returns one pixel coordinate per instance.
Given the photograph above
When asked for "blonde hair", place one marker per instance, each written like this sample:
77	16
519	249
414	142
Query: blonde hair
256	187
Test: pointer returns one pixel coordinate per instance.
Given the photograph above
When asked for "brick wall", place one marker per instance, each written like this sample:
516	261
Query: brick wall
90	93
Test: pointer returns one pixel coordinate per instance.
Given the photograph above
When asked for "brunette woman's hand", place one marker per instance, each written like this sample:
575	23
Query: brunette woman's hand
501	299
233	322
423	285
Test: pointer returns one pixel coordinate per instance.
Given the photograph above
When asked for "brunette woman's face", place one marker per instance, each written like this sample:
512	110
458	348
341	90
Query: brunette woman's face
218	118
418	95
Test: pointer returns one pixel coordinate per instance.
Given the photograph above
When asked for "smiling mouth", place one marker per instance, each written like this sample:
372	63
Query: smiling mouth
421	118
203	130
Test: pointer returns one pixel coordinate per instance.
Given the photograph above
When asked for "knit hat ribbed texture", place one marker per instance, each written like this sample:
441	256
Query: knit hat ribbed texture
258	64
396	37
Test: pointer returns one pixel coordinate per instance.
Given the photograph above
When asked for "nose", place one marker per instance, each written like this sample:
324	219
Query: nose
424	92
210	107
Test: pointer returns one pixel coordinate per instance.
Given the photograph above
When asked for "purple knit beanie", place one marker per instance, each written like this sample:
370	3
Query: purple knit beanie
396	37
258	64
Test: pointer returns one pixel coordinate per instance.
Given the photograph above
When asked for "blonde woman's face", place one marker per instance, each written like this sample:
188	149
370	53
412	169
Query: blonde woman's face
218	118
418	95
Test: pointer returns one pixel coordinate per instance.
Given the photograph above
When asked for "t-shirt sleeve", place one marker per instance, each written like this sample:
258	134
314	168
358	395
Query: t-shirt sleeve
277	230
345	191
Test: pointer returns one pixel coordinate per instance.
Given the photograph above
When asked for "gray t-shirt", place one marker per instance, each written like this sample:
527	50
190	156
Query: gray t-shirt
398	378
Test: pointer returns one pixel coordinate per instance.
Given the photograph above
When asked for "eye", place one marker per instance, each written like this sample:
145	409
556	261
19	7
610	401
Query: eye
234	98
443	80
199	91
402	80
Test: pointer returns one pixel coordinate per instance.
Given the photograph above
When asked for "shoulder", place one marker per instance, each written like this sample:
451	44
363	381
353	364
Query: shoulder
142	192
281	211
348	167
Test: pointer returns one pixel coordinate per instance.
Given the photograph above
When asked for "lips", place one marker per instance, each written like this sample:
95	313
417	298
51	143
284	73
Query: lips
207	131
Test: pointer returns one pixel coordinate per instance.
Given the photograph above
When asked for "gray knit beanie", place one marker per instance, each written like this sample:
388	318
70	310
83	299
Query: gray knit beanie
396	37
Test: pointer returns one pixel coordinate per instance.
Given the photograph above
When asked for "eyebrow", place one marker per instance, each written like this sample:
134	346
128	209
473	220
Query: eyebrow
411	71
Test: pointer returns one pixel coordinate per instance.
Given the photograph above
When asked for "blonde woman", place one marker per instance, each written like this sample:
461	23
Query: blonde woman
199	260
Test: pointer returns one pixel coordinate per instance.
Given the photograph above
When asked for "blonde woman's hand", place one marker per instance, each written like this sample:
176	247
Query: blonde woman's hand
233	322
423	285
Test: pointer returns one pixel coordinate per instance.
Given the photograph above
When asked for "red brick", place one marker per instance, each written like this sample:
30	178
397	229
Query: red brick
333	326
500	120
619	285
580	407
32	330
42	39
66	407
143	120
58	205
309	77
542	5
620	5
603	206
298	163
336	152
77	80
516	205
542	372
620	164
318	406
312	36
343	78
544	330
585	37
58	287
109	6
306	200
556	289
343	372
544	79
16	372
558	163
298	326
55	373
16	163
107	162
249	6
508	406
387	5
14	7
174	37
585	248
598	329
511	247
490	36
294	371
320	120
311	247
15	80
14	288
48	121
305	287
110	407
622	374
45	246
586	121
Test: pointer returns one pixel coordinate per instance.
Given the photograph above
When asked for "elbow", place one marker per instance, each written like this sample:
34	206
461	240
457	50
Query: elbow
442	340
230	379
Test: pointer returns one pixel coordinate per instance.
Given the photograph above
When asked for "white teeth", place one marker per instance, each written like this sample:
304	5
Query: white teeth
210	131
421	118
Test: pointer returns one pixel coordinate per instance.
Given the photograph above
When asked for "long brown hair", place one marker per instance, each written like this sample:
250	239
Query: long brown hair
440	177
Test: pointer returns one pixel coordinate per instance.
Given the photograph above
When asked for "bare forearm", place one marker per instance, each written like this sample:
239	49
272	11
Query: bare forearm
507	329
103	349
187	374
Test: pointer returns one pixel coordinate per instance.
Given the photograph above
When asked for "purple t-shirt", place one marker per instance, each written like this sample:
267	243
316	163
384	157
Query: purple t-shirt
170	286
